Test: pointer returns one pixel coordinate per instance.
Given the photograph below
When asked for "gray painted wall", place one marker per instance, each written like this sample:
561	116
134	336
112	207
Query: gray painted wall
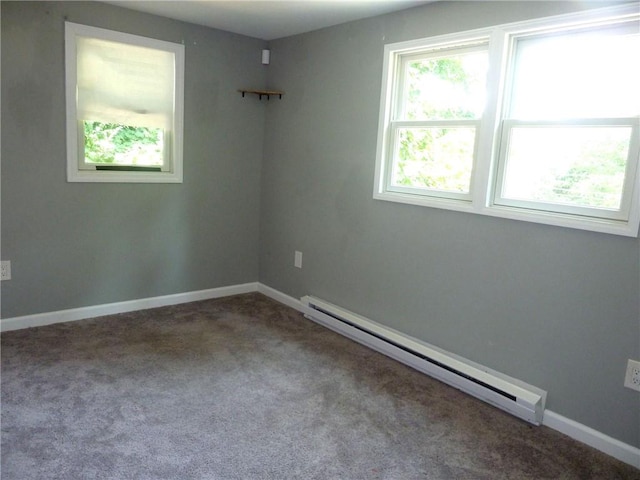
78	244
555	307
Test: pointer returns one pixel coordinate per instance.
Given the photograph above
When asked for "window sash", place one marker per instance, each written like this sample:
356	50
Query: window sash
621	214
623	76
399	121
441	52
428	191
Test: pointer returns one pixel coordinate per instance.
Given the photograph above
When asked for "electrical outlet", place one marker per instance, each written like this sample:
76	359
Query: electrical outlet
5	270
632	378
297	260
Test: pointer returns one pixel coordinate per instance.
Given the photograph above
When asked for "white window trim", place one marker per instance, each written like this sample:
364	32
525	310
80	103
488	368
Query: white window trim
484	182
76	168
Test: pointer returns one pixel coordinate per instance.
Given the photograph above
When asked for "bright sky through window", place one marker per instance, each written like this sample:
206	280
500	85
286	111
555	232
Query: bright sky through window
590	75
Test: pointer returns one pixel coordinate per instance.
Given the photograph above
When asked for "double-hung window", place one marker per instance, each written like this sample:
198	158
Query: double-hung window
124	107
571	122
535	121
435	121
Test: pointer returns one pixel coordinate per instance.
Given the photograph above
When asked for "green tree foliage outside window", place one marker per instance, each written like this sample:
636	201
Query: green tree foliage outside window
435	158
111	143
596	180
444	89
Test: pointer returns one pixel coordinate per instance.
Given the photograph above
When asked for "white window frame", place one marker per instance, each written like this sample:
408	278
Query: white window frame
80	171
493	129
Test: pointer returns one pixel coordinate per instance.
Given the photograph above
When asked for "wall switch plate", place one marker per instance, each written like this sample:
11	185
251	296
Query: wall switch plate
5	270
632	378
297	261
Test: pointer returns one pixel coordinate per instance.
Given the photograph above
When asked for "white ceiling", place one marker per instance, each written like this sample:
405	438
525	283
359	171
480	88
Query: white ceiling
269	19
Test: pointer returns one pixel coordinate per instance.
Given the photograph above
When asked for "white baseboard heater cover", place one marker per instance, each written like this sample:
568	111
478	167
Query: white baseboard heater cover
514	396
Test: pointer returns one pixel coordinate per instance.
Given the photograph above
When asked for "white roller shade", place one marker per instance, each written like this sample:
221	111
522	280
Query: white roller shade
124	84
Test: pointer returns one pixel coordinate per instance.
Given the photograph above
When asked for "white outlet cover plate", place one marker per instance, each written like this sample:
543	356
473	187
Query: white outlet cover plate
5	270
632	378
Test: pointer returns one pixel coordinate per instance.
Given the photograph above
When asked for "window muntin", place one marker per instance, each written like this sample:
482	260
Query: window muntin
437	112
124	107
589	179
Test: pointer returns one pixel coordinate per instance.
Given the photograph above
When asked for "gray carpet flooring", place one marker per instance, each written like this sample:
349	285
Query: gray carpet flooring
245	388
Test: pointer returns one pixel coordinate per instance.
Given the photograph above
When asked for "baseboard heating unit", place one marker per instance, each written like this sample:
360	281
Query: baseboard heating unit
509	394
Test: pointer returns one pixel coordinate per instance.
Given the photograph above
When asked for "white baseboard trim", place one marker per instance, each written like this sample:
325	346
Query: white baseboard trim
615	448
71	315
598	440
278	296
587	435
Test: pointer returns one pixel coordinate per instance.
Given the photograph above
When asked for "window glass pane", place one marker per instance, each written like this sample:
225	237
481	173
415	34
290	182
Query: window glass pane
435	158
109	143
578	166
449	87
592	74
